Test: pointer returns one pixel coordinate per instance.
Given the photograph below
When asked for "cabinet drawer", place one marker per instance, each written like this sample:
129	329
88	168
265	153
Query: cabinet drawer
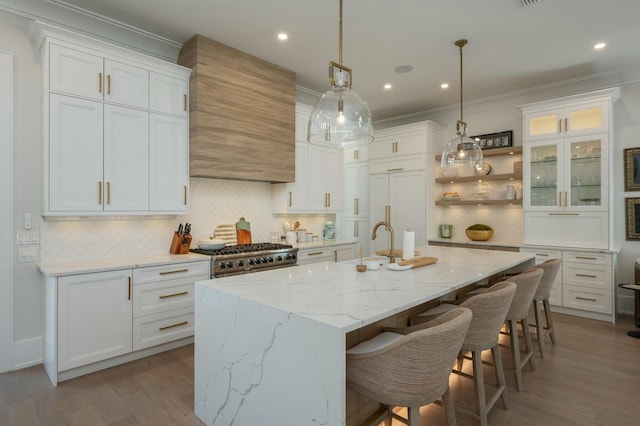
555	295
153	298
171	272
400	144
315	255
542	255
588	299
586	257
413	162
160	328
582	275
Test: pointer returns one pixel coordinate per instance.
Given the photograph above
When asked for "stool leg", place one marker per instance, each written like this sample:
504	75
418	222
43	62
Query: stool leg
502	383
515	350
414	416
549	318
478	379
448	407
539	327
528	343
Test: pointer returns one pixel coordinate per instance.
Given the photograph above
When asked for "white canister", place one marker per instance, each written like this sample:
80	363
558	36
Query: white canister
292	237
302	235
408	244
511	192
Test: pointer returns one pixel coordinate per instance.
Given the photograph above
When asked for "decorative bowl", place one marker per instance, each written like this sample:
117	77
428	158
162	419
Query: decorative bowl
211	244
479	235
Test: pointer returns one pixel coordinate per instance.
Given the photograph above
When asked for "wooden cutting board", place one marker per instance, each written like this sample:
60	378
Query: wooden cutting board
396	253
418	261
226	232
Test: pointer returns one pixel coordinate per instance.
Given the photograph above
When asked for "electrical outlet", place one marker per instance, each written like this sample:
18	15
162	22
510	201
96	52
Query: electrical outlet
27	254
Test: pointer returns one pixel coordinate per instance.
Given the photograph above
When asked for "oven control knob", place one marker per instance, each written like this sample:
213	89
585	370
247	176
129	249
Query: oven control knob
240	263
221	265
252	262
229	265
264	260
279	258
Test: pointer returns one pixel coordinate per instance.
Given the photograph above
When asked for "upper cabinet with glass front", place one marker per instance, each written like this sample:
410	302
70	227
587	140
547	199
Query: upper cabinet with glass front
579	118
566	170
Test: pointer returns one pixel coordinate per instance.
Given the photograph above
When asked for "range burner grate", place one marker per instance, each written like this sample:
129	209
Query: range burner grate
243	248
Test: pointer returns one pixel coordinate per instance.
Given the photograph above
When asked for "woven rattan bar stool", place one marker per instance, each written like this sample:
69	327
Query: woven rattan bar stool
527	284
410	370
489	313
541	301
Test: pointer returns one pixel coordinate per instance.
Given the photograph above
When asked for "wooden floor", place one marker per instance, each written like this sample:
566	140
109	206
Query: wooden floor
591	376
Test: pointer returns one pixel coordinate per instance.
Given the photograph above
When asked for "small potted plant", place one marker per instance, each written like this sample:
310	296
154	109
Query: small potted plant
479	232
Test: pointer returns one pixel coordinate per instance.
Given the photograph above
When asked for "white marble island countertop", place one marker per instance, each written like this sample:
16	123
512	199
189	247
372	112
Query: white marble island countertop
270	347
335	294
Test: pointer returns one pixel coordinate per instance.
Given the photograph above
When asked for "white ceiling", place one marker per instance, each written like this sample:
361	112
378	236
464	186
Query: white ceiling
511	47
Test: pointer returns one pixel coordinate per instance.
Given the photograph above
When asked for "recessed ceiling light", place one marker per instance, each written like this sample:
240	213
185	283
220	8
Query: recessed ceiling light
387	86
403	69
600	45
444	86
282	36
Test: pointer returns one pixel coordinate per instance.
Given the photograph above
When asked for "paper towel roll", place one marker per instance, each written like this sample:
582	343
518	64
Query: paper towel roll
408	244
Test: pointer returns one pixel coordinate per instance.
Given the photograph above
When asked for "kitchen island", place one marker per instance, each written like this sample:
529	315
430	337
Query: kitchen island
270	347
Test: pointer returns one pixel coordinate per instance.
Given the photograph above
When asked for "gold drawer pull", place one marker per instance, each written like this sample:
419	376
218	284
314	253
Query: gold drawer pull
586	298
564	214
99	192
174	295
586	275
177	271
108	84
129	297
185	101
395	170
586	258
173	325
290	199
542	254
99	82
315	253
108	192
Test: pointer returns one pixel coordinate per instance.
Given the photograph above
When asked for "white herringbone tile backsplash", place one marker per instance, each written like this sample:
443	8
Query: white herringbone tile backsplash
213	201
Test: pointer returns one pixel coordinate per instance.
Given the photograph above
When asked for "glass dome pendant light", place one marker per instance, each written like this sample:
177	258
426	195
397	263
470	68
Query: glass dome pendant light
340	118
462	155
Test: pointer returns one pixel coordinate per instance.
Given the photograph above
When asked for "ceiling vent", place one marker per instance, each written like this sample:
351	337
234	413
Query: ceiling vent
529	2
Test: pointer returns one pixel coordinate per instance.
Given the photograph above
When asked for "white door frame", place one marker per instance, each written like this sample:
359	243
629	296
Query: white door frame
6	210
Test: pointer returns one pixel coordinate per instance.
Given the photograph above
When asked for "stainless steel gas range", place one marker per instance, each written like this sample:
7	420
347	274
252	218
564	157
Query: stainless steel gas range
248	258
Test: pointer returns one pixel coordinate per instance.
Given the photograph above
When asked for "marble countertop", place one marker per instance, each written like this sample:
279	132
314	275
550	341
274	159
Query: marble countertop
115	263
336	295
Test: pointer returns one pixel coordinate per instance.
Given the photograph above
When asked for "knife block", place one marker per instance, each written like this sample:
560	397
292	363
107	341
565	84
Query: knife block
180	245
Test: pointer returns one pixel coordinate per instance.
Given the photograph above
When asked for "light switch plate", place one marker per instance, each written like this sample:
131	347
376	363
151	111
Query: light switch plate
27	254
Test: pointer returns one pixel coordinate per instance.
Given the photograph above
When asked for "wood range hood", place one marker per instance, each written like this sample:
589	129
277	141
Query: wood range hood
242	114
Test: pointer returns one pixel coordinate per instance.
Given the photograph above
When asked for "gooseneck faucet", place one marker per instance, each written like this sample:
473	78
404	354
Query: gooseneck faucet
386	224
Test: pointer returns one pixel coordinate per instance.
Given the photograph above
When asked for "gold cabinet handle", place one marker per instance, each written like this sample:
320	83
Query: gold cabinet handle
356	206
559	125
108	84
566	203
586	275
566	127
185	195
108	192
356	232
329	198
586	258
177	271
356	154
166	327
166	296
559	198
99	82
586	298
564	214
542	254
315	253
129	297
290	199
99	192
185	102
396	170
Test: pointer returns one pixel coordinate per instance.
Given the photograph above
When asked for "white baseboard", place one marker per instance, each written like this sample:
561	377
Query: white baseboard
27	353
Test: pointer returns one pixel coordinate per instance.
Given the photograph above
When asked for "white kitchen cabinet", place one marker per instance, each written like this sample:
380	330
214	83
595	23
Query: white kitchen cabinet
405	193
94	317
168	94
168	164
400	141
79	72
358	229
75	155
356	189
315	255
126	164
318	184
566	171
100	319
100	97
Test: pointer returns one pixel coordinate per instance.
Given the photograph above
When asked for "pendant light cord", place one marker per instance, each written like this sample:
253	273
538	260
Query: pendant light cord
340	36
461	116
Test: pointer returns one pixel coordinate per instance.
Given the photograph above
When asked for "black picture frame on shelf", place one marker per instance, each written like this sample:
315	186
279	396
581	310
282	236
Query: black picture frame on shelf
632	222
495	140
632	169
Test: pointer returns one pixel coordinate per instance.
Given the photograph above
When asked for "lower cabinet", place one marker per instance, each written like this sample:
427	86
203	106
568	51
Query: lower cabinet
94	317
584	285
101	319
333	253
